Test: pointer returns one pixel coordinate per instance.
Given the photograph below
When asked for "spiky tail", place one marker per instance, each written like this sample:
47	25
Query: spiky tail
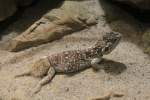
28	73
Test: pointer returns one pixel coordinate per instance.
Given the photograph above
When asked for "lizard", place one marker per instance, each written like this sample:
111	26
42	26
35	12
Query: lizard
72	60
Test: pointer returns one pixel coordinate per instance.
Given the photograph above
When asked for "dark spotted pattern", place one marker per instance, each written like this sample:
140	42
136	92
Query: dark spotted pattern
75	60
72	61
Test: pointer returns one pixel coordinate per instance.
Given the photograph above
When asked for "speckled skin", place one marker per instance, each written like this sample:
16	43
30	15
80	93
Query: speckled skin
73	60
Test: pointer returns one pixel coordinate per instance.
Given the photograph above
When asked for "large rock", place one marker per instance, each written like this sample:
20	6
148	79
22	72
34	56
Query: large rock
146	40
23	3
70	17
9	7
142	4
119	20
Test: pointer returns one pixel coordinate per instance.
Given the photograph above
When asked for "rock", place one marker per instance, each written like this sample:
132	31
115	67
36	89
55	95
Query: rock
72	16
23	3
105	97
118	95
119	20
9	7
110	95
141	4
146	40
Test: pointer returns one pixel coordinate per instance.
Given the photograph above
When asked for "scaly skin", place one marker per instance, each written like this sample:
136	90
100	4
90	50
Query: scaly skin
73	60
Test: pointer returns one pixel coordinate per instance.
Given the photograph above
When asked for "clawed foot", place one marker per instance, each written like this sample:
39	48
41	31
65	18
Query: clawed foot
36	90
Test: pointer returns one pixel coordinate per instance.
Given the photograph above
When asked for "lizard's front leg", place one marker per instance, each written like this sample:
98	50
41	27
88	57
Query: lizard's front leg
95	63
45	80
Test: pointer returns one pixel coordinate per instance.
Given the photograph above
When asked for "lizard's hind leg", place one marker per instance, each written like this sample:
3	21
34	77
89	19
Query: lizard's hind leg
45	80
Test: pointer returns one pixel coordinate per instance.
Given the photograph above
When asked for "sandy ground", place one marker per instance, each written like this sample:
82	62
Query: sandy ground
126	70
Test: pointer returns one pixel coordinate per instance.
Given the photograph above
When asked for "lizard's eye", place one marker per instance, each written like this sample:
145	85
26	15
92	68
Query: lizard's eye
107	48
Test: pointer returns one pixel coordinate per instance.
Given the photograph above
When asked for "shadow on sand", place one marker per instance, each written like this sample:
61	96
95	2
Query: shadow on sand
112	67
109	66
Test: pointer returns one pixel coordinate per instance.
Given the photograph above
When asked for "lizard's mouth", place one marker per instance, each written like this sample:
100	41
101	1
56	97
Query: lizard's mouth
115	43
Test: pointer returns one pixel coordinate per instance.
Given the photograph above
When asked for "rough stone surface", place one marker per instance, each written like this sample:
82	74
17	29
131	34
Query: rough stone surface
9	7
146	40
23	3
142	4
72	16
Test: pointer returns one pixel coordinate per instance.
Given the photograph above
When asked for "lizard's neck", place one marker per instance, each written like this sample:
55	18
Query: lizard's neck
96	50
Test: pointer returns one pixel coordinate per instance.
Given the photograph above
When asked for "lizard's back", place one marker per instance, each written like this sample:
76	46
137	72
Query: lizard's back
70	61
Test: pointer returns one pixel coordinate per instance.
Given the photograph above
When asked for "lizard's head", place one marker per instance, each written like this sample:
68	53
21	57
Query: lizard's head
111	40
